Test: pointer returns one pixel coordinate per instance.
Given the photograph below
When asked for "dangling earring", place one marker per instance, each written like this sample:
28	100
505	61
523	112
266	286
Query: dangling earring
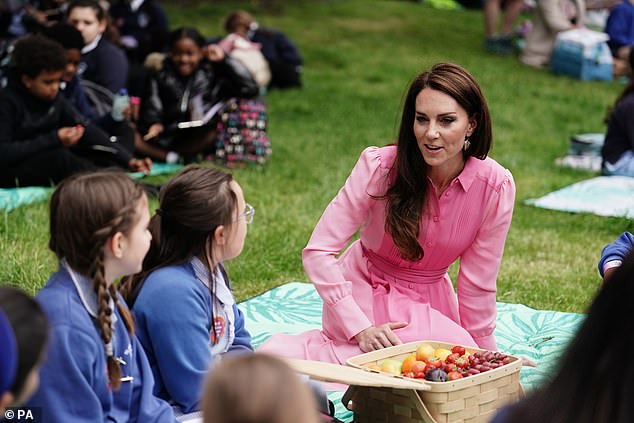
467	143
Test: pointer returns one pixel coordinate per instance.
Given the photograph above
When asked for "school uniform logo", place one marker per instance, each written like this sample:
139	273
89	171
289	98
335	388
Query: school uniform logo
218	331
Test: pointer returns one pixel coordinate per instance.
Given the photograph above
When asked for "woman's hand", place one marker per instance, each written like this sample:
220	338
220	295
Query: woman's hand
378	337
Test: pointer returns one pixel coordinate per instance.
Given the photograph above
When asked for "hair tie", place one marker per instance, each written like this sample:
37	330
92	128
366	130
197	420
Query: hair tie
109	349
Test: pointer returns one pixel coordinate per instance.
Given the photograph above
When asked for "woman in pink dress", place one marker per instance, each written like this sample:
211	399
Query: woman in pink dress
418	205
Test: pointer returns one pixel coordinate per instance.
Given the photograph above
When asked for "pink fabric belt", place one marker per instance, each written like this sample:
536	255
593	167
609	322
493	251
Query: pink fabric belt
404	274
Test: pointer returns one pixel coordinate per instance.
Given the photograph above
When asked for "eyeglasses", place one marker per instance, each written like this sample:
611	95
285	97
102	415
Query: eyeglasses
249	211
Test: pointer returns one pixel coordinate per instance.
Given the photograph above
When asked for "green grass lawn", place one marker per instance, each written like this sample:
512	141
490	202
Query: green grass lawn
359	57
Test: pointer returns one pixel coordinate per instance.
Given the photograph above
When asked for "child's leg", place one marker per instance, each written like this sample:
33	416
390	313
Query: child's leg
45	168
194	142
149	149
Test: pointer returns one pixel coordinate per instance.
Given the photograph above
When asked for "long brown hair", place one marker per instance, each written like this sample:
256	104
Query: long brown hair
593	380
626	91
86	210
256	388
191	206
408	193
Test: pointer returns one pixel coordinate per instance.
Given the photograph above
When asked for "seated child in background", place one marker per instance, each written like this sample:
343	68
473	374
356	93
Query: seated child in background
71	39
238	45
95	370
613	254
30	336
182	301
102	62
620	27
256	388
142	25
190	82
618	147
43	138
550	17
281	54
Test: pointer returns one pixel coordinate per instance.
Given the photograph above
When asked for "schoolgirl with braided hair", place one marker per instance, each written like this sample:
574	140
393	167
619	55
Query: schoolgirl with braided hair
96	370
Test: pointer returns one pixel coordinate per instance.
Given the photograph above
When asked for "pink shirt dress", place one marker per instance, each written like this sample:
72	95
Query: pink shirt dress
370	284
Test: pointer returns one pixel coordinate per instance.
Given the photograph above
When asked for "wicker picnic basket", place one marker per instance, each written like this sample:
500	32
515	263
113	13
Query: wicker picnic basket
472	399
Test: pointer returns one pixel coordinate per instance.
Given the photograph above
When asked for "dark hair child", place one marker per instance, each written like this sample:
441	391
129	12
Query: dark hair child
191	80
30	329
201	222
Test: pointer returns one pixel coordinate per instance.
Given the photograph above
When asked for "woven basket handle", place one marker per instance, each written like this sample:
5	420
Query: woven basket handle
421	407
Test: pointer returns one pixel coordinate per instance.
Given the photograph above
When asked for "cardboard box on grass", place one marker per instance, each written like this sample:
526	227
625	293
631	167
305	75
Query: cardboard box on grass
376	396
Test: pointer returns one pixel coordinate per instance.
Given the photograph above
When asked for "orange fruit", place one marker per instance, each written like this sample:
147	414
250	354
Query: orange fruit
408	362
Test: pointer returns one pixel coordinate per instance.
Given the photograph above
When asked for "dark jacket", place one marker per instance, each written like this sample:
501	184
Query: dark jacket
148	25
168	97
105	65
29	125
620	134
283	57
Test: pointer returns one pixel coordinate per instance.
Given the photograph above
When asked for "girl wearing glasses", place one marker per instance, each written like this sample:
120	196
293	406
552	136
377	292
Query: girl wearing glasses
182	301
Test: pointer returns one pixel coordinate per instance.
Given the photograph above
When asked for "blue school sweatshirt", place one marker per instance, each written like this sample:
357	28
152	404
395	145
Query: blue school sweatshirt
184	329
618	250
73	378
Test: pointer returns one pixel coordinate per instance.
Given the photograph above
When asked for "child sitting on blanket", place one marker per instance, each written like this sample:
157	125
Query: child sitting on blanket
618	148
257	388
180	97
43	138
613	254
27	337
95	369
182	301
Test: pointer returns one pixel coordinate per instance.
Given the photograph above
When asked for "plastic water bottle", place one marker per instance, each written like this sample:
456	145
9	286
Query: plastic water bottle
119	104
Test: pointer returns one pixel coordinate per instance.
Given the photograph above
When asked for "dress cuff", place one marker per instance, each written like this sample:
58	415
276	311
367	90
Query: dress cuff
351	317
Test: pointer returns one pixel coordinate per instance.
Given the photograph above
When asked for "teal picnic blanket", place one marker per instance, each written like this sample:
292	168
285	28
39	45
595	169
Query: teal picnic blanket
535	334
12	198
603	196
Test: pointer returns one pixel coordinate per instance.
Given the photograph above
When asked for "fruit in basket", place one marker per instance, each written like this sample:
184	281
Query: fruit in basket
454	375
391	366
443	364
442	353
458	349
462	362
424	351
418	369
451	358
435	362
407	363
436	375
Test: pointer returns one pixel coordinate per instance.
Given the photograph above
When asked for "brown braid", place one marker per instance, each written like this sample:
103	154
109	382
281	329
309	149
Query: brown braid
100	286
128	320
87	210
